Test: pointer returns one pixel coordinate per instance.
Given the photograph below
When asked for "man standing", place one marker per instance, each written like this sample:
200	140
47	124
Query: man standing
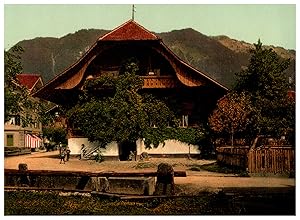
68	151
62	156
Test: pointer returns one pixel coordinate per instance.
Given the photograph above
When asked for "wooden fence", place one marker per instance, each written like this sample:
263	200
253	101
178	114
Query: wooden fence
233	156
276	160
272	160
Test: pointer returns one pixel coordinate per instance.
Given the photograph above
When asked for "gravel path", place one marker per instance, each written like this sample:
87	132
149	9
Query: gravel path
203	180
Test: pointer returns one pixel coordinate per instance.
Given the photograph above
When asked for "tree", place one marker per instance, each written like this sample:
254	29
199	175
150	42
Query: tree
16	96
265	82
232	115
55	134
124	113
17	99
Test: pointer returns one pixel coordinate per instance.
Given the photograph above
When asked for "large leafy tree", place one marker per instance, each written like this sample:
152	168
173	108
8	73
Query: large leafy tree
12	66
16	96
17	100
259	102
115	109
265	82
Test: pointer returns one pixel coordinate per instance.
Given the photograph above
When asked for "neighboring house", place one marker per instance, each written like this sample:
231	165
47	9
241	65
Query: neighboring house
292	95
164	74
15	135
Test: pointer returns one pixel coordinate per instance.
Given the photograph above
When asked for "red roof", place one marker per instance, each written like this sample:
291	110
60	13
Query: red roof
129	31
292	94
28	80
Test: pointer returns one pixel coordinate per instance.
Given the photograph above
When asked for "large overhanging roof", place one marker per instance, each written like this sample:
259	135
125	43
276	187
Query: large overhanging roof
130	31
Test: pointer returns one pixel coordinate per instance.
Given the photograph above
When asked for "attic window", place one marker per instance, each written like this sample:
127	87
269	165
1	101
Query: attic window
155	72
89	77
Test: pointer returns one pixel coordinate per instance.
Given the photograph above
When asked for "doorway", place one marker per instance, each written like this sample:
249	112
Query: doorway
125	149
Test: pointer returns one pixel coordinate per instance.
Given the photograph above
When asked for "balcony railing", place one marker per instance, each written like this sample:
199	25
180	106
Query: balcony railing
160	82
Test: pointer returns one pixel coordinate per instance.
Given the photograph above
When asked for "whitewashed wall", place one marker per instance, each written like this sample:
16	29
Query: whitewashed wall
170	147
75	145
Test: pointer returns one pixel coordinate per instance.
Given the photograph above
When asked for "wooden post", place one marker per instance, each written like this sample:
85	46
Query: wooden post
24	181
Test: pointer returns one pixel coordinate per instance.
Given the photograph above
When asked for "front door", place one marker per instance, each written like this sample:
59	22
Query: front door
125	149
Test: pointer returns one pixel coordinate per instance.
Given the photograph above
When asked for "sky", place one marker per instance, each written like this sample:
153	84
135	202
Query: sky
273	24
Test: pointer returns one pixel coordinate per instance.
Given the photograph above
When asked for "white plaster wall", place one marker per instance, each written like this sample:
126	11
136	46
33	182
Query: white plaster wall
170	147
75	145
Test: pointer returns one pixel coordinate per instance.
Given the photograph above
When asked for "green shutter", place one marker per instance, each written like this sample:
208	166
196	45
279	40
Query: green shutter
10	140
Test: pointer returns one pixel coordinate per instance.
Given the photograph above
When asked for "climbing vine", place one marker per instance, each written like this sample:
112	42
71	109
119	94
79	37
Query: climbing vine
114	109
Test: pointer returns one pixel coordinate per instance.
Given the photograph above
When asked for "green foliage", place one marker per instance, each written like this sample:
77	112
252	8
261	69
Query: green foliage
55	134
17	99
143	165
153	137
13	93
265	82
12	64
51	203
123	114
203	203
221	168
259	103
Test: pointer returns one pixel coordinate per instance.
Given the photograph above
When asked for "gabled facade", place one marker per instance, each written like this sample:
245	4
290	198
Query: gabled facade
164	74
15	135
32	82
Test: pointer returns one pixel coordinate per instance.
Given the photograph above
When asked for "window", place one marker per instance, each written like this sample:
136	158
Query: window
14	120
10	140
155	72
184	121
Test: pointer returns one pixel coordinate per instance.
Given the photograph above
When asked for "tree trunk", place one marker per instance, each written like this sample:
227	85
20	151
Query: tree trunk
232	133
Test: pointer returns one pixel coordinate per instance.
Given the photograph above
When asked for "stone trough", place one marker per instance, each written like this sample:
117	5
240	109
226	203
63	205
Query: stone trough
138	183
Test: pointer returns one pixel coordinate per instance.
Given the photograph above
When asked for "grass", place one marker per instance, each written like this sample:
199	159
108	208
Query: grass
218	168
51	203
195	167
143	165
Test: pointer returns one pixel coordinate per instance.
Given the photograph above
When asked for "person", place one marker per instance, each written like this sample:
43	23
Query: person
62	156
47	144
68	151
131	156
81	151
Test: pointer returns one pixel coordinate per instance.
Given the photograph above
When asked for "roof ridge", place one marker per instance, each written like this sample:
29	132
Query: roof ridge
124	24
113	30
145	29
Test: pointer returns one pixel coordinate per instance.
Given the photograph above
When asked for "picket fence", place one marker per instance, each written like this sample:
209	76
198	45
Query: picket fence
272	160
275	159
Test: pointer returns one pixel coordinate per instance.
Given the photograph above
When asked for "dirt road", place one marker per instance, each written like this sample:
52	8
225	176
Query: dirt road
200	180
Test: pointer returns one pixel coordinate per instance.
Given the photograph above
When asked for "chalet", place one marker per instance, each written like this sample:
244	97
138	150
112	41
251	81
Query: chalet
163	72
15	135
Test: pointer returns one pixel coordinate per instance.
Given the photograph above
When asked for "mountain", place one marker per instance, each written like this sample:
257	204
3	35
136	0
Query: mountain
219	56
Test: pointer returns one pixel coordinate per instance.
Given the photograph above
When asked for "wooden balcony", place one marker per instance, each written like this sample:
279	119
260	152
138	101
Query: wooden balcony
160	82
